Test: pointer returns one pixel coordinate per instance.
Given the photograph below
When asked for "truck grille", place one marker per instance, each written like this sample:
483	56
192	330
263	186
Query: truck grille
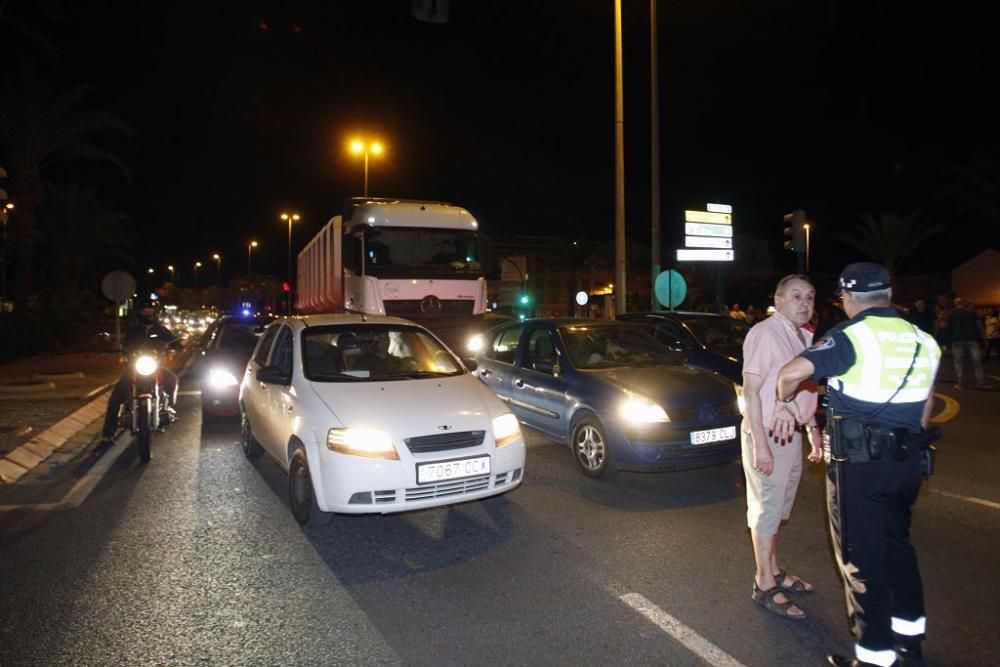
410	309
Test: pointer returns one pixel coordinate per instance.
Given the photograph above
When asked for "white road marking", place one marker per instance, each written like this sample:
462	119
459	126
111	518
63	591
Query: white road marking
969	499
691	640
83	487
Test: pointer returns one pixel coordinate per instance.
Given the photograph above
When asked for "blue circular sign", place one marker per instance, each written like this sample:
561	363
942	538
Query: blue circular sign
671	288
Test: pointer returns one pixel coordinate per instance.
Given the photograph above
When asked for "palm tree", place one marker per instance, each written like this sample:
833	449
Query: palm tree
42	126
891	238
79	230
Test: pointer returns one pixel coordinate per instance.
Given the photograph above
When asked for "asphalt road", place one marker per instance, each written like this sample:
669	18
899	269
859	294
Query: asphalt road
195	559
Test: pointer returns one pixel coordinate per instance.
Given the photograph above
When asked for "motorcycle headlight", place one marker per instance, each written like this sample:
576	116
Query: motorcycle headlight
220	378
146	364
368	442
640	410
506	429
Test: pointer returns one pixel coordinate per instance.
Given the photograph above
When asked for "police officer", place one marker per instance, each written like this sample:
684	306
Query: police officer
147	331
881	373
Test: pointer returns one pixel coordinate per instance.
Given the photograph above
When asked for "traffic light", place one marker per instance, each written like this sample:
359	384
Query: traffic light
525	299
795	231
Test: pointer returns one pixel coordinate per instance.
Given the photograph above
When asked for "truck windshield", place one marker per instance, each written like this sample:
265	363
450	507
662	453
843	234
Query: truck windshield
421	252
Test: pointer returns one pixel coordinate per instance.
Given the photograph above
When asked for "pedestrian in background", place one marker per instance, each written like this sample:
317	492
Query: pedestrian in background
881	373
922	316
992	325
773	464
965	334
737	313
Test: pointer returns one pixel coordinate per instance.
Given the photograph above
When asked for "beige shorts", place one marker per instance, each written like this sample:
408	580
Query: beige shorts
770	497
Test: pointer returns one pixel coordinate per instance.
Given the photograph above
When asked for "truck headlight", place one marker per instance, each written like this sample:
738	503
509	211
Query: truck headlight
368	442
146	364
506	429
220	378
640	410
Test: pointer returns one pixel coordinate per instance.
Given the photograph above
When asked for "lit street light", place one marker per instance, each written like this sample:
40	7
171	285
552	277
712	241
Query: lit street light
218	269
290	218
173	277
197	265
361	147
806	228
4	212
253	244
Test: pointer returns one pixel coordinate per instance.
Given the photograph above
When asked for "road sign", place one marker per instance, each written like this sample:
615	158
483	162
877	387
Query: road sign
670	288
702	229
707	242
689	255
118	286
719	208
708	216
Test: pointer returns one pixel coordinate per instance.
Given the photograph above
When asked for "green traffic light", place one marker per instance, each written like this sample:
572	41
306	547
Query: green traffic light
525	299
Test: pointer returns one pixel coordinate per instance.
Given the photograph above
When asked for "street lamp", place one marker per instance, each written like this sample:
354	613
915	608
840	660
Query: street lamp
253	244
362	147
218	269
197	265
4	211
290	218
170	268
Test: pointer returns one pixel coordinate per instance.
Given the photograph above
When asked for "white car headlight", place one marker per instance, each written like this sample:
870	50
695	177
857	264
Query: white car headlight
146	364
475	343
639	410
506	429
741	402
369	442
220	378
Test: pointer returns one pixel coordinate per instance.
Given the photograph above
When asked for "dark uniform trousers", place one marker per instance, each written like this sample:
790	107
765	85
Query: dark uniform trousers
869	511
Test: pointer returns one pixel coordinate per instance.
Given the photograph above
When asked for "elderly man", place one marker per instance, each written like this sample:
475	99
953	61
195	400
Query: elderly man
772	459
881	374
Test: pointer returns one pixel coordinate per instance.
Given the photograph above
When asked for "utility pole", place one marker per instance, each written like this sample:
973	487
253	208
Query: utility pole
654	157
621	284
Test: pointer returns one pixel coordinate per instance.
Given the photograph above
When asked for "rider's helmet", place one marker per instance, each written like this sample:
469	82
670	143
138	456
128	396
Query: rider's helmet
145	310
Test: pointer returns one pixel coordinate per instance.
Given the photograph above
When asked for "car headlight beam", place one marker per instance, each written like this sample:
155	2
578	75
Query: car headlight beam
367	442
640	410
506	429
220	378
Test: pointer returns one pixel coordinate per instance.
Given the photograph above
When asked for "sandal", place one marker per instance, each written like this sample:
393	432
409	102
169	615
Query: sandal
797	585
765	598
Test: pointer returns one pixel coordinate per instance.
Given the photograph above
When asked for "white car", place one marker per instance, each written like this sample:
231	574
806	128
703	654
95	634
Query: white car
374	415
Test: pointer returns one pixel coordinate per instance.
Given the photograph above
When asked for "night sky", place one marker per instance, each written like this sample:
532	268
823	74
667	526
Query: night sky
243	109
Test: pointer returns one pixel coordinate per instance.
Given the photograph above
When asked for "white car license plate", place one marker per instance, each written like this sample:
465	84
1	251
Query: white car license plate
443	471
713	435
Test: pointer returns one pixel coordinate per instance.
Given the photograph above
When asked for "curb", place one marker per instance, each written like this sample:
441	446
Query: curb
18	462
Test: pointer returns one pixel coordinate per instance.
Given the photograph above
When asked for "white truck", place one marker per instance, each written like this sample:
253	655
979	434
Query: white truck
419	260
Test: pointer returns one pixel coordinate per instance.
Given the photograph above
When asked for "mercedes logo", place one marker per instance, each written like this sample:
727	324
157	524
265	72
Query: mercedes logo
430	305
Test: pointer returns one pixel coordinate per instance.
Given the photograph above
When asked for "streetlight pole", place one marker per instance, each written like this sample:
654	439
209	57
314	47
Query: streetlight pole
173	276
250	247
218	269
4	212
197	265
362	147
806	228
290	218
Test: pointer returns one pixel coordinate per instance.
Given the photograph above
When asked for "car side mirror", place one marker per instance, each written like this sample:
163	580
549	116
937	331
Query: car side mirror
470	364
273	375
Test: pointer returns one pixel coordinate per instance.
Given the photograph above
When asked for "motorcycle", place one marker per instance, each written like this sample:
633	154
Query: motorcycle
149	408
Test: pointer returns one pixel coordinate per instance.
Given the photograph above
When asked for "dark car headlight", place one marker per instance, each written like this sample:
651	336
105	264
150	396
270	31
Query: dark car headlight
221	378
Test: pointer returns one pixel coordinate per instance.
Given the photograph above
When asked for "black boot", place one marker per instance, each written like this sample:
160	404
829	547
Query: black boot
908	649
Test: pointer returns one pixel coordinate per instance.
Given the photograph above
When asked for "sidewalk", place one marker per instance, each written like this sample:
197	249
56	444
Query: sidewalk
46	400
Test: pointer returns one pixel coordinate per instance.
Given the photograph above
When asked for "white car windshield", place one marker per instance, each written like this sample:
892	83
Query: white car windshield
374	352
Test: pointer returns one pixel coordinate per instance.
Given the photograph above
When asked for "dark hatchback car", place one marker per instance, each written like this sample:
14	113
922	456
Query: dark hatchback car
608	390
709	341
226	349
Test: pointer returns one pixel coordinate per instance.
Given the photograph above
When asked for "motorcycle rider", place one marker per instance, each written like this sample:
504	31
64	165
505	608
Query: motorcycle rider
147	332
